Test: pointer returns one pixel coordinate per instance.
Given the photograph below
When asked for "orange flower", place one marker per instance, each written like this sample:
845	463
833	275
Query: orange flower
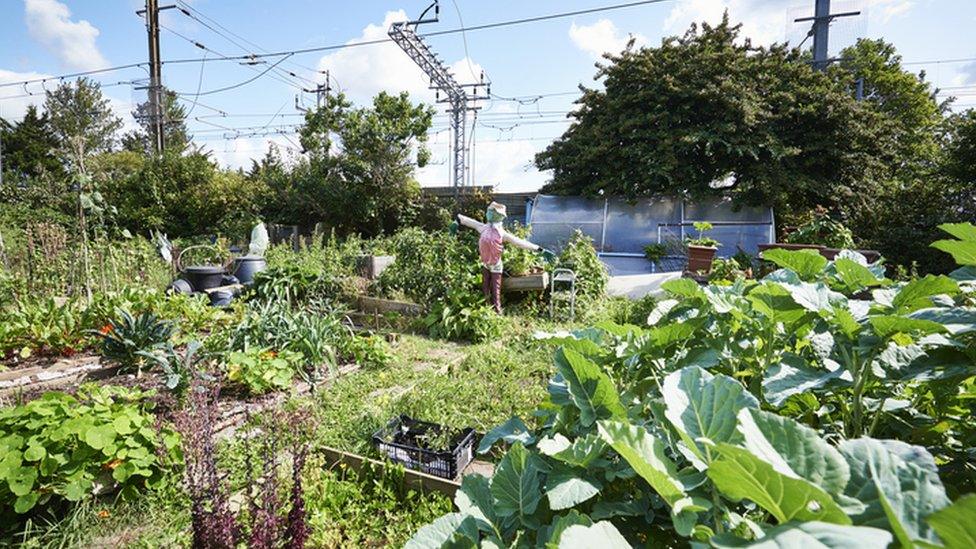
268	355
103	514
106	329
113	464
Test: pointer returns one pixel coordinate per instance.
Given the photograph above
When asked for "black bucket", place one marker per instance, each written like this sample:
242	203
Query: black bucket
203	277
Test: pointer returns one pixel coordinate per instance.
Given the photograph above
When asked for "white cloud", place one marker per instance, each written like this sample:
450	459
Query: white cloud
15	99
72	42
602	37
768	21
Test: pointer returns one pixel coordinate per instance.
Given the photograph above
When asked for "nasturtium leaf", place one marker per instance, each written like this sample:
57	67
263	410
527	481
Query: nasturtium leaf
918	293
645	454
897	495
513	430
810	534
516	483
962	251
739	474
34	453
21	480
956	524
122	425
703	407
567	487
590	388
100	437
26	502
807	264
793	449
449	530
601	534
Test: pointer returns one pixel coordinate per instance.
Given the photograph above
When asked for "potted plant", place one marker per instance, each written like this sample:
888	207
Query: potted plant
701	250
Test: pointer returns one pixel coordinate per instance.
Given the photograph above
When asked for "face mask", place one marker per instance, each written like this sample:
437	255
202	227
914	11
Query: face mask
494	217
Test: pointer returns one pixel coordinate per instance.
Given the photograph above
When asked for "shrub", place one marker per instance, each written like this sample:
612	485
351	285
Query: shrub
817	227
428	266
62	448
591	274
463	316
517	261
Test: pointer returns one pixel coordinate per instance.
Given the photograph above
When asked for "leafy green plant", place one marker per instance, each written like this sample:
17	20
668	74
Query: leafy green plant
655	252
430	265
820	228
62	448
727	270
517	261
591	274
262	370
127	339
701	240
179	368
770	391
45	326
463	316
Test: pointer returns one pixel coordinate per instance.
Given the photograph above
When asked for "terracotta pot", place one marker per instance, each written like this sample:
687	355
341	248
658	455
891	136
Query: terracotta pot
700	258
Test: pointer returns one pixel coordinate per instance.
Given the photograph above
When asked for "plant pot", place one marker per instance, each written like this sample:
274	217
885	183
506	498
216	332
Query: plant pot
700	258
203	277
246	266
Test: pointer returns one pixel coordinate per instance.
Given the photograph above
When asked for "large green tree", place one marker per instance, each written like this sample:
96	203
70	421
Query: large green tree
29	148
359	175
176	135
674	119
82	119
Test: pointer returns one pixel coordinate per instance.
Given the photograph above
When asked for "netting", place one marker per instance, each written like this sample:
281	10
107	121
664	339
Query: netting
620	229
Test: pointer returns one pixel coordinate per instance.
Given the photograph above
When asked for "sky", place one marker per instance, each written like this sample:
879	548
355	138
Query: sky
535	68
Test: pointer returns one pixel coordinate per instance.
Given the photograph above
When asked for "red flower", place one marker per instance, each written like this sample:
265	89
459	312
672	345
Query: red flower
106	329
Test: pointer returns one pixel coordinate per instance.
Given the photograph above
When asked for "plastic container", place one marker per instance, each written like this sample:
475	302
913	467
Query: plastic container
246	266
203	277
399	442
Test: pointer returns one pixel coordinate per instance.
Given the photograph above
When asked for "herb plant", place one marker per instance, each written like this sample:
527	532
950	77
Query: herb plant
701	240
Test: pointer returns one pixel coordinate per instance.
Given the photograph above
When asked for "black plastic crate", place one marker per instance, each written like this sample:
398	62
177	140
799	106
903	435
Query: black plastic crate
398	441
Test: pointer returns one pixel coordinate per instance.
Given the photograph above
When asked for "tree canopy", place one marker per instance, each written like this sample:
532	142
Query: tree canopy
81	118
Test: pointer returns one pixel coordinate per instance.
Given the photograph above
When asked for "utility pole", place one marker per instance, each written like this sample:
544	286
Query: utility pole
155	90
460	101
822	18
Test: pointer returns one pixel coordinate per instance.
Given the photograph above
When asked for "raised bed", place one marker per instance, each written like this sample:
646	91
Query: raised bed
537	282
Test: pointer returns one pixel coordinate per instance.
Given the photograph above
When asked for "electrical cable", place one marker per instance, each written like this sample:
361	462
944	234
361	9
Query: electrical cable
239	84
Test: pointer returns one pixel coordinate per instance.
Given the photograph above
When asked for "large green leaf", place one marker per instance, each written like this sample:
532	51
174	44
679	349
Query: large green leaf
703	407
854	275
793	449
590	388
888	325
452	530
581	452
567	487
897	494
962	231
516	483
513	430
807	264
601	534
917	294
645	454
956	524
474	498
684	287
963	252
554	531
813	535
740	474
792	376
774	302
957	320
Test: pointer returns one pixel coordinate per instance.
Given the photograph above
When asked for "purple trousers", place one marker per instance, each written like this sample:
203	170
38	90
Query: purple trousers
491	286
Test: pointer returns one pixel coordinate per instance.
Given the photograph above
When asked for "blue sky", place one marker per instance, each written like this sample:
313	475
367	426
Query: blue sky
51	37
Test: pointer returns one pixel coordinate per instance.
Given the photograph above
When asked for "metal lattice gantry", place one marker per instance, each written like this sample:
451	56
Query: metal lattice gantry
404	34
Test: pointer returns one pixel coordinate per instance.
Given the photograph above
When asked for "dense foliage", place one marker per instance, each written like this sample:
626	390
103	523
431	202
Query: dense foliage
820	404
67	448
